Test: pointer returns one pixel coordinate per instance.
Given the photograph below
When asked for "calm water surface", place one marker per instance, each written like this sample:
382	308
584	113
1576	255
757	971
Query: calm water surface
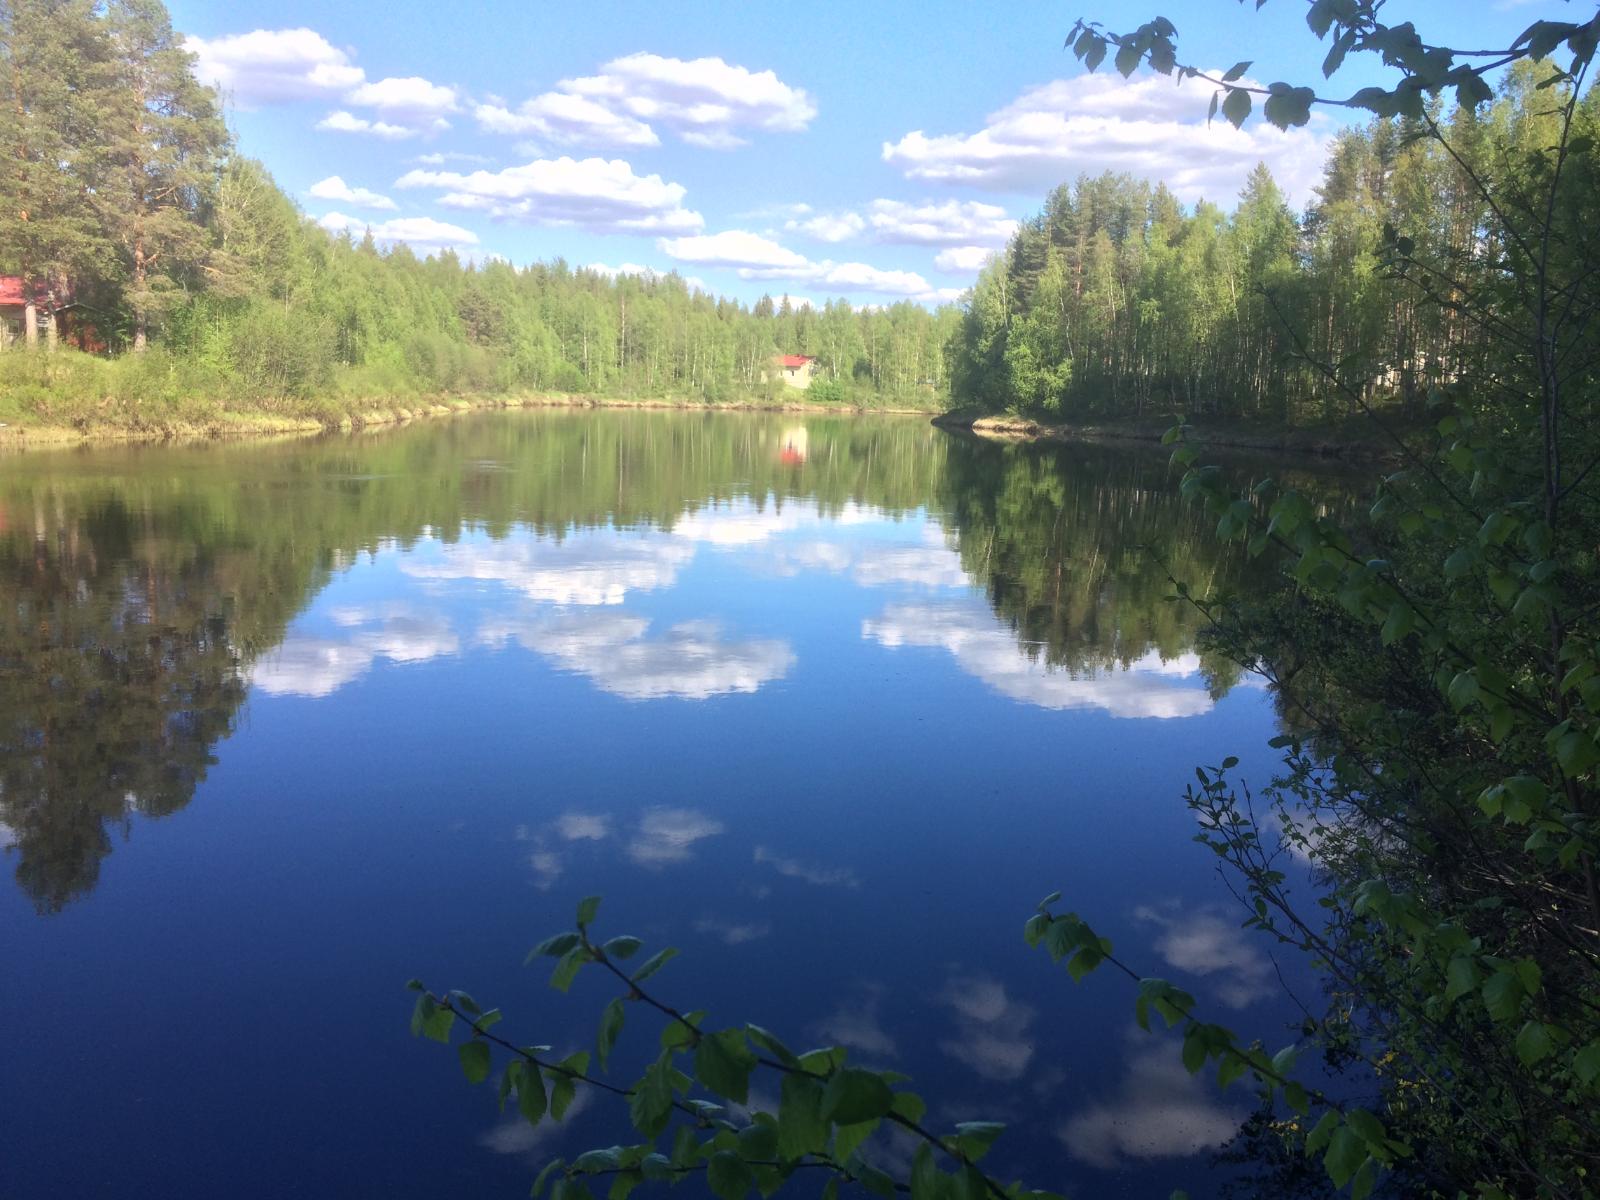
828	704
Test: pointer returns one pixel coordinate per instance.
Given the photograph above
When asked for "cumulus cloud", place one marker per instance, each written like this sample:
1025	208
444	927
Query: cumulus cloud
668	835
1158	1111
1148	688
598	194
567	119
308	665
689	661
1206	942
923	566
420	233
1146	126
829	227
583	827
732	933
993	1032
439	157
753	256
344	121
962	260
812	873
409	100
705	101
856	1024
335	188
273	66
584	569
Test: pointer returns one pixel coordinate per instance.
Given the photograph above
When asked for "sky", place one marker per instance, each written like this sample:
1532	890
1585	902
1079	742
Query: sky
868	150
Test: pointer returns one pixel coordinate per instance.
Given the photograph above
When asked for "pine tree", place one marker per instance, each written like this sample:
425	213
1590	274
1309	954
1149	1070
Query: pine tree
161	157
47	232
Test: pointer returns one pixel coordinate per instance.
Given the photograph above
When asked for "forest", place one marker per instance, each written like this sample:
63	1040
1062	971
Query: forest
1117	302
138	221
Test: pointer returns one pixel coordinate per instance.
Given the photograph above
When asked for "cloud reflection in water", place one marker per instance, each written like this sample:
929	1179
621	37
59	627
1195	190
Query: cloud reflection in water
1147	688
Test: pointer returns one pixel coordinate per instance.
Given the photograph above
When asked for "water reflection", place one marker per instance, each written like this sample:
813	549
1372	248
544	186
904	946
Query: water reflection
146	592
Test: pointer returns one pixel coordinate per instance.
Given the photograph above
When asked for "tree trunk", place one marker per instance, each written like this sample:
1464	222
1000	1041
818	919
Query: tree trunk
30	316
140	316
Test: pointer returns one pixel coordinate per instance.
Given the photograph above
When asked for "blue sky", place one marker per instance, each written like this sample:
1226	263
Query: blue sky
869	150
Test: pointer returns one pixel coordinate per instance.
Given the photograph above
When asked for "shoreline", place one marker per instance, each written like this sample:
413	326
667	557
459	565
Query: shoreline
1314	443
239	426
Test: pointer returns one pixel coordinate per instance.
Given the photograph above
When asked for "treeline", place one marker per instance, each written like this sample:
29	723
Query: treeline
1115	301
131	219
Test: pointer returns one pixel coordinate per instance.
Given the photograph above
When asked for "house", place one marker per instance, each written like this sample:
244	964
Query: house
794	369
61	317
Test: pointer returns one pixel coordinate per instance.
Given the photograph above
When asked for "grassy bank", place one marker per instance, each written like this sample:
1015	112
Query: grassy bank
1354	439
54	399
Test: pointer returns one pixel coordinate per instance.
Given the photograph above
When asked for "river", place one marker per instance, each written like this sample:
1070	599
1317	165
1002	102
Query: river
828	704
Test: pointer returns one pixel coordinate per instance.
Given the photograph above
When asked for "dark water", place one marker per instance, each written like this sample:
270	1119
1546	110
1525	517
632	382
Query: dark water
827	704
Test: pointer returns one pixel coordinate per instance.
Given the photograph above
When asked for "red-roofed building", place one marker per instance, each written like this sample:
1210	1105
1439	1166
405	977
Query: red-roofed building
56	308
794	369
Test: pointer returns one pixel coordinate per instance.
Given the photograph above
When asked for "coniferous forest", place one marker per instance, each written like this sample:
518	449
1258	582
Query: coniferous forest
145	234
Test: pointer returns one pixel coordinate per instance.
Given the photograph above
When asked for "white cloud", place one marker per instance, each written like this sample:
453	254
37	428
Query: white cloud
1158	1111
993	1032
692	282
948	223
962	260
812	873
439	157
732	933
668	835
830	227
567	119
585	568
342	121
856	1024
335	188
273	66
734	248
923	566
411	99
421	233
1146	126
306	665
690	661
706	101
753	256
1206	942
583	827
598	194
983	649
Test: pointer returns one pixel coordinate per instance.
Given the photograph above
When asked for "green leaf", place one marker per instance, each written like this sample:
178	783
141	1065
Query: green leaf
552	947
723	1062
1346	1153
1502	995
531	1100
1128	56
1367	1127
758	1141
622	946
654	963
1586	1062
610	1026
975	1137
474	1057
438	1023
588	909
854	1095
550	1168
1534	1043
650	1106
1461	977
847	1139
1321	1132
1236	72
910	1106
728	1176
567	968
801	1128
1236	106
769	1042
927	1181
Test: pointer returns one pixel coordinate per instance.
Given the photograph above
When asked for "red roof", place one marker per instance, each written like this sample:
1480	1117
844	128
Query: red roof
11	291
795	360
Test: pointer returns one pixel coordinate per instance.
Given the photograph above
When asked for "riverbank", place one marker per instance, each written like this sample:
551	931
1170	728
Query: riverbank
22	434
1349	441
